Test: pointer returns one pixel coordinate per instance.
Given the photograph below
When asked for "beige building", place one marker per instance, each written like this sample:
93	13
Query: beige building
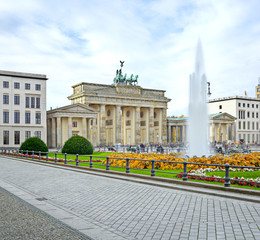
23	107
117	113
245	110
221	128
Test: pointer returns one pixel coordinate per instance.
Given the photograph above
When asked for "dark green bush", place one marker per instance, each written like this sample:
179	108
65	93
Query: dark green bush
34	144
77	145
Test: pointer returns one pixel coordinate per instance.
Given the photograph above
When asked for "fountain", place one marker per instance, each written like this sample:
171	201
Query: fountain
198	113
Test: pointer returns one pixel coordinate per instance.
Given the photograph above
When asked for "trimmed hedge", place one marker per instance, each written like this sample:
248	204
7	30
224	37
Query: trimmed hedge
34	144
77	145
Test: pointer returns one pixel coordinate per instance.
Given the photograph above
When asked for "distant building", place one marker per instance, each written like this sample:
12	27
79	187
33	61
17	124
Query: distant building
257	90
221	128
245	110
23	107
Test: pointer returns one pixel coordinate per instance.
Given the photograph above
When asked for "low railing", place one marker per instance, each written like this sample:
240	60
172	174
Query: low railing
184	175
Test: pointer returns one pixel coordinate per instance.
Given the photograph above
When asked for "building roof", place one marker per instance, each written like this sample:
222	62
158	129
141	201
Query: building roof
211	116
23	75
234	98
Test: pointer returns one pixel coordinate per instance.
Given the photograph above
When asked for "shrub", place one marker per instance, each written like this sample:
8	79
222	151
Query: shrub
34	144
77	145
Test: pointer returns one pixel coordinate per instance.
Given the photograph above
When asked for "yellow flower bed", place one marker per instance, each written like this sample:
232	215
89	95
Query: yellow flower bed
251	159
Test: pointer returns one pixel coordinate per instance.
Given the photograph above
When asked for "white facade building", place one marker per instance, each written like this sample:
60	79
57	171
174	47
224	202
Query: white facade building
22	107
246	111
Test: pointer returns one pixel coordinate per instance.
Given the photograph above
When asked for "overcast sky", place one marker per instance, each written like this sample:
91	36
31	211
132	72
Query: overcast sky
84	40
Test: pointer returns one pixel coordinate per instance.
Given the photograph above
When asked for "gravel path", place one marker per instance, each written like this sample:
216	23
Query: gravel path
20	220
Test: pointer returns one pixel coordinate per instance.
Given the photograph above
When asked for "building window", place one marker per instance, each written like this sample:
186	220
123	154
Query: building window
27	86
6	117
128	113
6	137
16	117
248	138
38	118
143	123
74	124
108	113
38	102
239	137
17	85
37	134
27	117
239	125
244	125
257	115
37	87
253	126
5	84
239	104
244	105
220	106
17	100
253	105
248	125
142	114
27	134
256	125
5	99
248	114
16	137
256	105
109	122
253	114
27	102
32	102
248	105
154	114
128	123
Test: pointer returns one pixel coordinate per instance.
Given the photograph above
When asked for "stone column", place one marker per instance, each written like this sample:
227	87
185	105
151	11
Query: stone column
53	132
102	124
94	132
151	125
118	124
219	126
137	126
69	127
59	141
169	133
88	131
164	126
176	133
227	135
213	136
49	132
84	127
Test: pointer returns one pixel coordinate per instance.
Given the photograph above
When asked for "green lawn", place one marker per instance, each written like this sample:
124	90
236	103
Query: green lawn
172	174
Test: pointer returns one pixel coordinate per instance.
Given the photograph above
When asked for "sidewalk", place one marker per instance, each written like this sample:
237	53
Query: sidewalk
20	220
105	206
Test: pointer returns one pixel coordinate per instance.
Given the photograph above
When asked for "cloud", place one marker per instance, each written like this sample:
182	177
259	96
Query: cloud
77	41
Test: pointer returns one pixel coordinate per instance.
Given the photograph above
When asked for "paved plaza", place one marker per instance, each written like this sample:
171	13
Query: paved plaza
108	208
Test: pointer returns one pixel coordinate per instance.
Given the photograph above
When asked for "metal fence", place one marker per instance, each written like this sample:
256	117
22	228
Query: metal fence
44	156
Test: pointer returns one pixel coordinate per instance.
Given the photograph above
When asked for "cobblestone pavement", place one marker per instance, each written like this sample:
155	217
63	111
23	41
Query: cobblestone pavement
126	210
20	220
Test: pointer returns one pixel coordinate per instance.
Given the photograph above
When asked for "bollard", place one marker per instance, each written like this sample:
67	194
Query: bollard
107	166
127	170
90	162
55	160
26	153
184	175
32	155
39	155
22	153
227	179
65	156
9	152
152	170
47	157
77	159
17	153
